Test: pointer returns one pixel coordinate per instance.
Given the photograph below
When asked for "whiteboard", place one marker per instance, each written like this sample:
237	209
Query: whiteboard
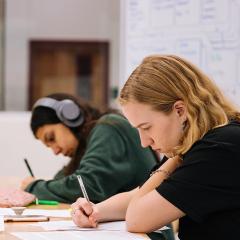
206	32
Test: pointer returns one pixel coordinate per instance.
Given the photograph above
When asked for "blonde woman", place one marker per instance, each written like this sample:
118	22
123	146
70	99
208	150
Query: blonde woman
181	113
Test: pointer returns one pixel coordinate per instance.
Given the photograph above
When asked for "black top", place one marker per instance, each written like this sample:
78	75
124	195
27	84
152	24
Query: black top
206	187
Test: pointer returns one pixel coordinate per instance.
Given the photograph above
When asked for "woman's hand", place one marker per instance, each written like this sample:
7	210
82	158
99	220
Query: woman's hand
84	213
26	181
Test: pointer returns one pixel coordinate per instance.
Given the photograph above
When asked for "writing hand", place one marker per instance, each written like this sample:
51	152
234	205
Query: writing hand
84	213
26	181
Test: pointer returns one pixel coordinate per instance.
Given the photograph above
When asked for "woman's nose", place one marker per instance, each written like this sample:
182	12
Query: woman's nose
145	140
56	149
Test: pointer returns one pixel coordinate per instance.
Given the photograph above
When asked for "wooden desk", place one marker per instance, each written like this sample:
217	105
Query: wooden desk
25	226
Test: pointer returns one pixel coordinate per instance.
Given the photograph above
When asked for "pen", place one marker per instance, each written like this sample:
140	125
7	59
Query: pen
80	181
28	167
45	202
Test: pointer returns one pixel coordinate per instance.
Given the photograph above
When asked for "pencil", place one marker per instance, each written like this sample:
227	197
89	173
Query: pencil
28	167
80	181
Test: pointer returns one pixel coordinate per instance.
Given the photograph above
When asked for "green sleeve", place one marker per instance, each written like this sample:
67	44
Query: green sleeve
104	168
59	174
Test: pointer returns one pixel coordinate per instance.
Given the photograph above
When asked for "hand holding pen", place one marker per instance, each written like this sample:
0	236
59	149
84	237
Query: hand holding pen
28	180
84	213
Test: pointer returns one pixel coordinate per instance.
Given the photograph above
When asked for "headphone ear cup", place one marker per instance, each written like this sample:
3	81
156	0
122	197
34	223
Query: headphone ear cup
69	113
69	110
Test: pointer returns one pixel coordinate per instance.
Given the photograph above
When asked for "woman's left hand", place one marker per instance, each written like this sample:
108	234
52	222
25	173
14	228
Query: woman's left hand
26	181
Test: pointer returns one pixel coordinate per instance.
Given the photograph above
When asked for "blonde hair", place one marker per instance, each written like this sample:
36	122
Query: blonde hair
161	80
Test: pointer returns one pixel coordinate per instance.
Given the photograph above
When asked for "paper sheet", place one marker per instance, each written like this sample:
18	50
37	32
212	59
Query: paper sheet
28	211
73	235
1	224
70	226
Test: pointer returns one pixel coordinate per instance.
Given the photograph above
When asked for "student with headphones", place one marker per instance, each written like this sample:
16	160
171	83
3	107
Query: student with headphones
104	149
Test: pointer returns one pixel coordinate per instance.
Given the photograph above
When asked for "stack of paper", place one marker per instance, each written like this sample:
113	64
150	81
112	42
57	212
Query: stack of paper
73	235
69	225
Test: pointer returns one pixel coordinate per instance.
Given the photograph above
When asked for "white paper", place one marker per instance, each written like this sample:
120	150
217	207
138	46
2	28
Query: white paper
60	226
29	211
6	211
48	213
1	224
73	235
70	226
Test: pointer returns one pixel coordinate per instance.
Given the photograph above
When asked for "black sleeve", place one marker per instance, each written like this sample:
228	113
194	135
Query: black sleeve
206	182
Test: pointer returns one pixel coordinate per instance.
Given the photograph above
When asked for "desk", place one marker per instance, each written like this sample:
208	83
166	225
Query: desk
26	227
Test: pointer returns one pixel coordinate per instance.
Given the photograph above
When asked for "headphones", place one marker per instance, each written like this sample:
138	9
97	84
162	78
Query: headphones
67	110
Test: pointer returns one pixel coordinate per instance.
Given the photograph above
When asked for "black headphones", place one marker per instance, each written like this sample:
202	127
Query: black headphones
67	110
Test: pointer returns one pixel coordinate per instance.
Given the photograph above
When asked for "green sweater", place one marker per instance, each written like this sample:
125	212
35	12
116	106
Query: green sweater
113	162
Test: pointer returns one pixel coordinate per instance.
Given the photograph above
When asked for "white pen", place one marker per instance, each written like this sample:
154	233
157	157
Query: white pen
82	187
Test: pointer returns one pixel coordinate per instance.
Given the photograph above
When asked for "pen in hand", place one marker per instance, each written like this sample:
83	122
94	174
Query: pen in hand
92	221
28	167
80	181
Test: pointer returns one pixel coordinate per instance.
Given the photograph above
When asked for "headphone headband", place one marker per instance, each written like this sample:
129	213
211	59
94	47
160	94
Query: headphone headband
66	110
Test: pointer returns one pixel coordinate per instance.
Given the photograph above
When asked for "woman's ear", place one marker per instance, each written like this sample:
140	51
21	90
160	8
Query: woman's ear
180	108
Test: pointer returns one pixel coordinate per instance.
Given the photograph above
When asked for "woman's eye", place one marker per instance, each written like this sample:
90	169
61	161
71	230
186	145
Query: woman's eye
50	138
146	128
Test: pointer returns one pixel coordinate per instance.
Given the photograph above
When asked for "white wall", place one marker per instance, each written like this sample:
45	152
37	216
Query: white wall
1	51
55	19
17	142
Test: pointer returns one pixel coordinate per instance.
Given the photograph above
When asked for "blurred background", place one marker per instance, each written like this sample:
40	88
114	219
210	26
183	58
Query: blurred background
58	46
52	46
89	48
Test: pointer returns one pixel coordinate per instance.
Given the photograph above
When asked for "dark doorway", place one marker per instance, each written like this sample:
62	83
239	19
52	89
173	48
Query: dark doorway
79	68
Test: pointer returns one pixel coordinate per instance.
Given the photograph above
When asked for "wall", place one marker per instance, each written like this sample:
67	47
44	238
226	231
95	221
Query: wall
1	51
55	19
17	142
